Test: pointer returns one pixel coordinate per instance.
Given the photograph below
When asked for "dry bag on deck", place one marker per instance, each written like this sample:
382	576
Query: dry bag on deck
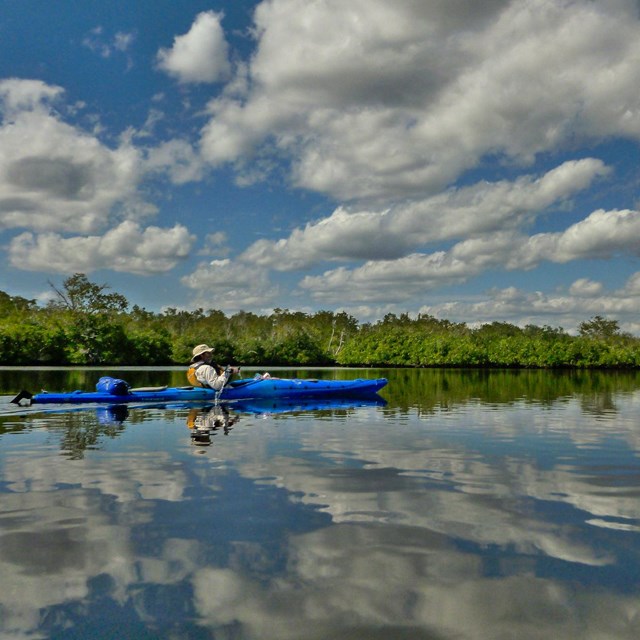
114	386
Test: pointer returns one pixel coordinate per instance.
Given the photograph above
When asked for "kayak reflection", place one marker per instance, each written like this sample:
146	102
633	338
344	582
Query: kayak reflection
85	427
204	422
268	406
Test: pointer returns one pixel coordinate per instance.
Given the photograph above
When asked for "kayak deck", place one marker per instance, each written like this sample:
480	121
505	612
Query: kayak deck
250	388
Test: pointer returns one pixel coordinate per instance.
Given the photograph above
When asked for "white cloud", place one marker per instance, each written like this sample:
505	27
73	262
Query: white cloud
387	280
57	179
384	107
229	286
126	248
582	300
123	41
583	287
54	176
603	234
200	55
394	232
105	47
179	159
17	94
215	244
632	286
374	101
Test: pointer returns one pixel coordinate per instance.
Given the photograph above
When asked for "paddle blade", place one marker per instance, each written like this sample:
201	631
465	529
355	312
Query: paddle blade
23	395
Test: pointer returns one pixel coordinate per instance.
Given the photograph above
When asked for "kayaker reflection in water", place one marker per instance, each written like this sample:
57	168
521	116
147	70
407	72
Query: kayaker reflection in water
203	372
205	422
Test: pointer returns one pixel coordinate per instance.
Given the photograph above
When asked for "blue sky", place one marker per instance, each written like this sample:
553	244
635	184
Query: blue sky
473	161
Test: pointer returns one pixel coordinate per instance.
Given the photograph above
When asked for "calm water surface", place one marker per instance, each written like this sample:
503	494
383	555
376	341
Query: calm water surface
466	505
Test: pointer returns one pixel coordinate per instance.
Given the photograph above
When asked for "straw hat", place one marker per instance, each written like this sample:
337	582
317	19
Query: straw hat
199	350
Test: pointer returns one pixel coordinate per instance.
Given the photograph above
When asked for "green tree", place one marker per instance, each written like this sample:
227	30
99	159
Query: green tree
79	294
93	320
599	328
11	305
297	347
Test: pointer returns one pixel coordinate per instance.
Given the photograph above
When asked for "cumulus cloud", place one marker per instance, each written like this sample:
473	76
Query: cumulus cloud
200	55
394	232
568	307
17	94
231	286
387	280
178	159
384	109
55	177
127	248
585	287
215	244
393	112
563	307
373	101
601	235
57	180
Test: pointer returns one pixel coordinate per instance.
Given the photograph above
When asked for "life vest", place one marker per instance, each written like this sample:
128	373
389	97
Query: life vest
191	375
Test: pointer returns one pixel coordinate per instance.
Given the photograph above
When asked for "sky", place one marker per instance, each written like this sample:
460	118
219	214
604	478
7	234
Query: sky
474	161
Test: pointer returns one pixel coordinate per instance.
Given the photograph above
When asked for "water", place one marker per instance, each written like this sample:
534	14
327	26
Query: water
479	505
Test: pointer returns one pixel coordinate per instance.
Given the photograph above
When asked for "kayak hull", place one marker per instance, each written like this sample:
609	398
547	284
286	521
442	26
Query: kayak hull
252	388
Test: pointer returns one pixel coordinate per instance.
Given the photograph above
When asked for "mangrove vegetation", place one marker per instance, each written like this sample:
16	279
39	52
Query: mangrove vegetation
87	324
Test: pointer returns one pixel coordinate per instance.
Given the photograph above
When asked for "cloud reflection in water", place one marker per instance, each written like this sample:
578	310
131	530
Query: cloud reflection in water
471	523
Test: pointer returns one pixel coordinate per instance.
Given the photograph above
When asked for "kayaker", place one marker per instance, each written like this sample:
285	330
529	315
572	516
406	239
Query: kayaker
203	372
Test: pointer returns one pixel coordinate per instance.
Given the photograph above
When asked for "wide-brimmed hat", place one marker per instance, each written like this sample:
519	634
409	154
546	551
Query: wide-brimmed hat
200	349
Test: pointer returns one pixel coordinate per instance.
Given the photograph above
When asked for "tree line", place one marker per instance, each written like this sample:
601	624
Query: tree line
87	324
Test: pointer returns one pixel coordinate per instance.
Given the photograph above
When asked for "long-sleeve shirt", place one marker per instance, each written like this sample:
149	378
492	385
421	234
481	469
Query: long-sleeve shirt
209	377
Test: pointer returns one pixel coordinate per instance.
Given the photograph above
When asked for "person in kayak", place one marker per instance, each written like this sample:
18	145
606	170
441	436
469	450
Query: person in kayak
203	372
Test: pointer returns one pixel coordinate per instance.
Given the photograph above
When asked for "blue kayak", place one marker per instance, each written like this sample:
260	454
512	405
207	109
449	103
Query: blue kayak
249	388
